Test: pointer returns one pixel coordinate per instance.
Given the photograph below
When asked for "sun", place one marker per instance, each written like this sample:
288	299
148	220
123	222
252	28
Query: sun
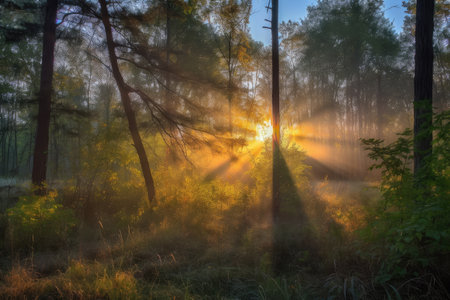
264	131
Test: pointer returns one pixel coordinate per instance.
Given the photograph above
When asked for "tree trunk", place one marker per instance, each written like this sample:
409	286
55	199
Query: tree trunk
39	173
15	160
126	101
276	201
275	110
229	89
423	86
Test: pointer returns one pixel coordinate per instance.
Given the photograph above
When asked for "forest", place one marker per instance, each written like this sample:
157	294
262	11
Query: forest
154	149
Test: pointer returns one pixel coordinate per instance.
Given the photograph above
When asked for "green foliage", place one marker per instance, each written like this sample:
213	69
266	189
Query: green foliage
411	227
394	160
109	185
19	19
39	222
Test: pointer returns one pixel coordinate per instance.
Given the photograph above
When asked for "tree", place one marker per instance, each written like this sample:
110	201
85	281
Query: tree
233	17
276	201
21	32
191	65
423	88
19	19
349	61
124	91
20	26
39	173
275	111
293	103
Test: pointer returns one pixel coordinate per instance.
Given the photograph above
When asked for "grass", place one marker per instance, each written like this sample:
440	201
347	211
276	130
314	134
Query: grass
79	281
141	267
208	254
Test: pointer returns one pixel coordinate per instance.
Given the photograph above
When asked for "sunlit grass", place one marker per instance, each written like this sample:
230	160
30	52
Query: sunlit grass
210	233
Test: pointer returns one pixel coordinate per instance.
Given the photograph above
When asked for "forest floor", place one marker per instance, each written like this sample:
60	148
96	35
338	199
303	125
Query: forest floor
166	262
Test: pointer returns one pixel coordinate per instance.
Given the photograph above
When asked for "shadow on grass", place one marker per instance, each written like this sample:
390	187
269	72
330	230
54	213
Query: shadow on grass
295	239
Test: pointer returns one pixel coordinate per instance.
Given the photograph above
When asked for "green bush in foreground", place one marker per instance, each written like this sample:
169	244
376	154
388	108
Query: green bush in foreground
39	222
411	227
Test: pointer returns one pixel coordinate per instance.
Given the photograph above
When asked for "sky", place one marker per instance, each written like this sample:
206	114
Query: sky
295	10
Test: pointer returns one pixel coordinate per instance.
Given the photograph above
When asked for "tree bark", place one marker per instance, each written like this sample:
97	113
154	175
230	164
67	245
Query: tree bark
278	254
126	102
229	88
275	112
423	87
39	173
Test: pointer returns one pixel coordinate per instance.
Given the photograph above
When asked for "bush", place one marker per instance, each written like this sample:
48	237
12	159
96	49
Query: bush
109	186
411	227
39	222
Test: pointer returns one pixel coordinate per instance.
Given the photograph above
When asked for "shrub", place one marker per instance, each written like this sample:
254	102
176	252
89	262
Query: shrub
411	226
39	222
109	185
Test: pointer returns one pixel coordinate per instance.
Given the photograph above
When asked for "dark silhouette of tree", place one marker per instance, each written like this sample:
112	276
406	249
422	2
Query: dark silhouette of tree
275	109
423	88
276	130
39	173
126	101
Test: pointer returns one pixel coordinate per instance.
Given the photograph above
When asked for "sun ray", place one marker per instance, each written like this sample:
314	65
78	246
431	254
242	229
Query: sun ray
264	131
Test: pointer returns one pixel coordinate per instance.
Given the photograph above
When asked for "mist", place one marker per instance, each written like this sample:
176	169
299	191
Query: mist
141	157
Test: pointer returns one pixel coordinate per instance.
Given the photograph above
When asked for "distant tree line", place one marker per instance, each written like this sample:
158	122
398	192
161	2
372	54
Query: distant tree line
191	73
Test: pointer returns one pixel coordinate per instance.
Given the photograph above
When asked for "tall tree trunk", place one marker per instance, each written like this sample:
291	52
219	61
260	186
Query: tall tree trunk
229	88
2	141
55	160
30	148
8	146
126	101
16	159
39	173
275	112
276	201
423	87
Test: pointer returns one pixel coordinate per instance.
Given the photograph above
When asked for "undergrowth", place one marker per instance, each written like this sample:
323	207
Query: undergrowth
211	238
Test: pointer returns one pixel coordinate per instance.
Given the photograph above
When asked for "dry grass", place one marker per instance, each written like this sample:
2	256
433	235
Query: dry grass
22	283
79	281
